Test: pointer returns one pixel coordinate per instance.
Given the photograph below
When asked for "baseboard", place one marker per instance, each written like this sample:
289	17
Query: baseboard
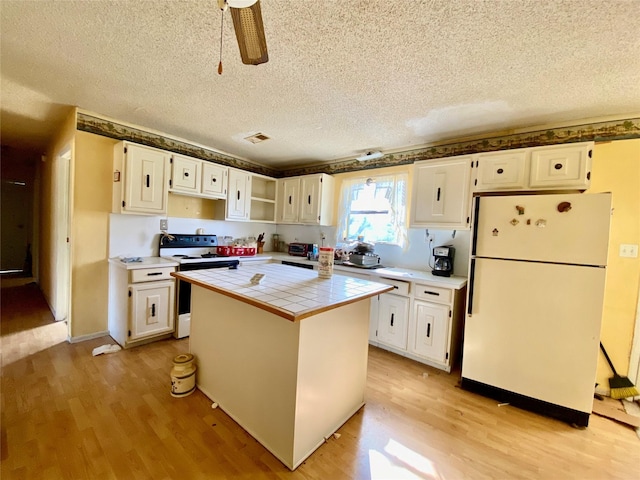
91	336
573	417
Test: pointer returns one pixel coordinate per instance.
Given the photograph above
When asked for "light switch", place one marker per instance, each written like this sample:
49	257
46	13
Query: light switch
628	250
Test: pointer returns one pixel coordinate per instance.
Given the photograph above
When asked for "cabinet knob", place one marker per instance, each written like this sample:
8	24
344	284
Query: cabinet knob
558	166
500	171
186	174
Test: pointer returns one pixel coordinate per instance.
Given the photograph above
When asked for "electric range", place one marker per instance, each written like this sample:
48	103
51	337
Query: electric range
190	249
192	252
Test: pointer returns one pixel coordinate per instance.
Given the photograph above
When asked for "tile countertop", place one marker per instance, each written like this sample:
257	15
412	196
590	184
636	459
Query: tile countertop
396	273
146	262
289	292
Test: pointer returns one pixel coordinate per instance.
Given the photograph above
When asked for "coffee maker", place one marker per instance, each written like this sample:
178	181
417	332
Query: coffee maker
443	263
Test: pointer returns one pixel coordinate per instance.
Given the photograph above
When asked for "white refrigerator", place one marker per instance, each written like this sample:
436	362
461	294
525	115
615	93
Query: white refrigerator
535	301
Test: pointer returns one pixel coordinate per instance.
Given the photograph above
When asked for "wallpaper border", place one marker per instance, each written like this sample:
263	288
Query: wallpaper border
600	131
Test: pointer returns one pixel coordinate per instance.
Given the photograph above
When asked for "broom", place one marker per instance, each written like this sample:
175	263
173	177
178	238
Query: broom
621	387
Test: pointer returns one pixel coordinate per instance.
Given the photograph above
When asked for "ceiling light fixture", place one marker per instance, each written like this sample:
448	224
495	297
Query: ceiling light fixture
247	22
369	156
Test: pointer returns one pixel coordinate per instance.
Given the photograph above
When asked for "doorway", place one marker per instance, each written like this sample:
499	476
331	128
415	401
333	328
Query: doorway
16	204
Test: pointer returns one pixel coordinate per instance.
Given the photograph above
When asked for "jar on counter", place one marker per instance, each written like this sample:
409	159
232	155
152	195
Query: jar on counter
325	262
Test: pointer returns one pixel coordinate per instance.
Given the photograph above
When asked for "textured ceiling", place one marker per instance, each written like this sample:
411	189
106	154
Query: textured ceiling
343	77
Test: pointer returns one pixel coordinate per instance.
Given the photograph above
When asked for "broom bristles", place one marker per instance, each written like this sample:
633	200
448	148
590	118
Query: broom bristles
622	387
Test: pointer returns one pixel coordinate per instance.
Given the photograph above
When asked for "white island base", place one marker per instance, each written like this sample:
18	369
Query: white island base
289	384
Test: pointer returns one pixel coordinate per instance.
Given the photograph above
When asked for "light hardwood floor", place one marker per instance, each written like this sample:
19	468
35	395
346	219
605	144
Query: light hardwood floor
67	414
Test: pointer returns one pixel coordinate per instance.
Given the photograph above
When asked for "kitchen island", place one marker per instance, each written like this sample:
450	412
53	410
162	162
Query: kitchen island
285	358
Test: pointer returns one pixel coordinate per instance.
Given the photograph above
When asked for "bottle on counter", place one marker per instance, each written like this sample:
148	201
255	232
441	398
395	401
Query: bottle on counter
325	262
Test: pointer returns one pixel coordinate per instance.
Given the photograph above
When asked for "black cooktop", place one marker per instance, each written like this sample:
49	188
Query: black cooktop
189	257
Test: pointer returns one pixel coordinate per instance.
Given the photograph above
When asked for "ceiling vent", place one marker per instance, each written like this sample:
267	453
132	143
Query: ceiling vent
257	138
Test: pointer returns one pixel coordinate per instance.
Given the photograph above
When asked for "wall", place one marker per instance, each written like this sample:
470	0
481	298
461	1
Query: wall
616	169
138	235
48	228
415	255
98	234
93	166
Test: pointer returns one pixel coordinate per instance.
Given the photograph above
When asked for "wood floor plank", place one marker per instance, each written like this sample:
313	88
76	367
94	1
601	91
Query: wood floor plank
68	414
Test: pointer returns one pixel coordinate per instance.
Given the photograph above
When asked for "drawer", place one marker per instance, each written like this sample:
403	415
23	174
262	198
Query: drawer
151	274
433	294
399	287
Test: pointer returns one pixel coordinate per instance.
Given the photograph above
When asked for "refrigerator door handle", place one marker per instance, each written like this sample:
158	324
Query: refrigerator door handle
472	272
476	214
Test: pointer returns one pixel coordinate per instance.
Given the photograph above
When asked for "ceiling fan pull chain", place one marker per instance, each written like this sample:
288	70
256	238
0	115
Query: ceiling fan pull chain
221	30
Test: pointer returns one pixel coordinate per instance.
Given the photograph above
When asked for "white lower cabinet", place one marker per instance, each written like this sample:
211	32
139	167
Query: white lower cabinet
393	314
430	328
141	303
420	320
151	309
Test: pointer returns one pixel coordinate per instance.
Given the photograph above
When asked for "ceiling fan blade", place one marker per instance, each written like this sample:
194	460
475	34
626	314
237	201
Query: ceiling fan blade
247	23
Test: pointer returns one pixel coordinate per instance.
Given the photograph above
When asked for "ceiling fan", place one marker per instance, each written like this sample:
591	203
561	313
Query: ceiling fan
247	23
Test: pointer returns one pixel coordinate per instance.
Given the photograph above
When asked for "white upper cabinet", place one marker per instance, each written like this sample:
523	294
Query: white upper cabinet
214	180
199	178
140	179
251	197
185	174
556	167
562	166
307	200
311	197
289	194
239	195
501	171
441	194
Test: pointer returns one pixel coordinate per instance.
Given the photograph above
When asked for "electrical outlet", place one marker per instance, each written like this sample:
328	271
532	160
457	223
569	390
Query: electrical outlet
628	250
164	224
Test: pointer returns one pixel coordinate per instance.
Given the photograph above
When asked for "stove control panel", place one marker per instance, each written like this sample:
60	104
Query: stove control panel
175	240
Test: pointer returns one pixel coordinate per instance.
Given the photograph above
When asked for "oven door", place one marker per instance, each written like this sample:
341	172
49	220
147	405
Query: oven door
183	294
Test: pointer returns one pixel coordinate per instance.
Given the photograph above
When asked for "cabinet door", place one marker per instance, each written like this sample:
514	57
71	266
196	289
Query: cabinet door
289	200
214	180
185	174
392	320
561	167
501	171
430	333
441	193
146	182
238	199
310	198
152	307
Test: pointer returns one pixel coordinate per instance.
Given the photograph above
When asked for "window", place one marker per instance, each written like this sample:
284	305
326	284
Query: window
374	207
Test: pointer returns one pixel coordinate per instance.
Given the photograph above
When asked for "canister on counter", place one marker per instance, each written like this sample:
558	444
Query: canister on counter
325	262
